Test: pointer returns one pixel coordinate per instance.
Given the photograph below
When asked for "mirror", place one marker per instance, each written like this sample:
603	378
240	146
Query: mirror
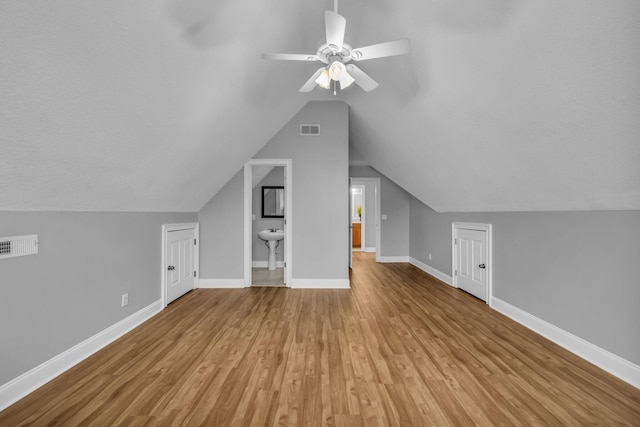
272	202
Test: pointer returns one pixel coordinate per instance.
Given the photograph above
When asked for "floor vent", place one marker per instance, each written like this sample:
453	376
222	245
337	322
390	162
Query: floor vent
18	246
309	129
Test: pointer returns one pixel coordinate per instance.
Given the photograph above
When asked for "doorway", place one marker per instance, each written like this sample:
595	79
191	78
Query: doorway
358	213
255	172
267	268
370	228
471	258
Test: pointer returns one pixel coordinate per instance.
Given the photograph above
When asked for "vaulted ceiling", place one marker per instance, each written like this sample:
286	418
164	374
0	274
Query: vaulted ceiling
153	106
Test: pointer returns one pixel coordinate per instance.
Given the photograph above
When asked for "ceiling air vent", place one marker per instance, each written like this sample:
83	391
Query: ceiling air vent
309	129
18	246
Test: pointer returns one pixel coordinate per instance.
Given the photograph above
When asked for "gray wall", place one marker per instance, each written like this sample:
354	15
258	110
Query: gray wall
320	189
394	202
260	250
575	270
320	200
221	227
72	288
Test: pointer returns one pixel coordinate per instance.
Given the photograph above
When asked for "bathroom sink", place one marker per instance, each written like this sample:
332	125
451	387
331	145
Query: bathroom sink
268	235
272	239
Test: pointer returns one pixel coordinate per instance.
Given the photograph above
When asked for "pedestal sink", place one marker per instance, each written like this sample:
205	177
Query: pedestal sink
272	239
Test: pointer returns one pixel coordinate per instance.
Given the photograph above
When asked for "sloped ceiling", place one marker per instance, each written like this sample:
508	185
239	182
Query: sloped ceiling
154	105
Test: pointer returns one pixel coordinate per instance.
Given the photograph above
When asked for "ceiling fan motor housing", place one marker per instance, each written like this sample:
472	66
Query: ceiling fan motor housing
344	56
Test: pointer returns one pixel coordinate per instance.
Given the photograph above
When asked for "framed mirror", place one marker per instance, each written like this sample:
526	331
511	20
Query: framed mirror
272	202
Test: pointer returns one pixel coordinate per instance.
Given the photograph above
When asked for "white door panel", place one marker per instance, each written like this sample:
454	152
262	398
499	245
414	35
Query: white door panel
472	259
180	263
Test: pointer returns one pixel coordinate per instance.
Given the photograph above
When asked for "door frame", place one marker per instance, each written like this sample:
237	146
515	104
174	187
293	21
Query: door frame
377	214
248	216
350	226
487	228
167	228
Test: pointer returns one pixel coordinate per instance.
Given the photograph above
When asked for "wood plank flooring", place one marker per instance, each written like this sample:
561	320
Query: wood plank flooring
400	348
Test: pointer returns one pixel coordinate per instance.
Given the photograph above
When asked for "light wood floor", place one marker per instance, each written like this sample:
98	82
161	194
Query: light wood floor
266	277
399	348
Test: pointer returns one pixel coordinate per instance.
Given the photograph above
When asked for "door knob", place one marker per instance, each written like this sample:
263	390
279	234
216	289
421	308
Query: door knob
482	266
171	267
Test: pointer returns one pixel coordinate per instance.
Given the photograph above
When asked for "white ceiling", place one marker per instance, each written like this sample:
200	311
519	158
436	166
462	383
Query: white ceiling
154	105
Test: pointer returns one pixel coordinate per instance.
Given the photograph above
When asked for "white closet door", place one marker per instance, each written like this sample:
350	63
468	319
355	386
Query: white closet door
180	263
472	259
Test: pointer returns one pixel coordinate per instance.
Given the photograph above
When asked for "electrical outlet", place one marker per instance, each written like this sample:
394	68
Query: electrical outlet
429	256
384	217
125	299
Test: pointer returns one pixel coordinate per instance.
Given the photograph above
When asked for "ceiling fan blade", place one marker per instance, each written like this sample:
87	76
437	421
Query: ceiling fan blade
290	57
381	50
361	78
311	83
335	26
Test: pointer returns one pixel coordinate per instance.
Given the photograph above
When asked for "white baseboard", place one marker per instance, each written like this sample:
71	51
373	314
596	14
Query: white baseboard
615	365
320	283
393	259
221	283
265	264
432	271
370	249
26	383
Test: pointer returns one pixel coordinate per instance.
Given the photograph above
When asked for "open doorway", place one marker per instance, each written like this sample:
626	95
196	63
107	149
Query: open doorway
267	222
358	215
370	220
267	261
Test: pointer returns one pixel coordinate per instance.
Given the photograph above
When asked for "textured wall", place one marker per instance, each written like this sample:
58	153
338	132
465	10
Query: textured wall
320	201
320	189
575	270
72	288
535	102
221	225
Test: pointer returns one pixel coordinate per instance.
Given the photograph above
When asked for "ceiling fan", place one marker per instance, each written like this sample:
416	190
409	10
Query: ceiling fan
337	55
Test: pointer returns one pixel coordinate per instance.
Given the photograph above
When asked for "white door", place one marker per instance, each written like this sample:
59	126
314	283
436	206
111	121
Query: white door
180	263
471	255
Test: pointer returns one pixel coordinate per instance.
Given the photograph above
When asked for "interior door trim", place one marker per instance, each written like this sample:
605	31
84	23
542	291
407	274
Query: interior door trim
455	226
248	212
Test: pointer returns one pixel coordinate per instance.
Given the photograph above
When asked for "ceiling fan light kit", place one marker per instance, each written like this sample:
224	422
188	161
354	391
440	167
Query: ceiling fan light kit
324	81
335	53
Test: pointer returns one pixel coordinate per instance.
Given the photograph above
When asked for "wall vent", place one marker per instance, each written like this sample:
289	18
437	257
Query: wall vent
18	246
309	129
